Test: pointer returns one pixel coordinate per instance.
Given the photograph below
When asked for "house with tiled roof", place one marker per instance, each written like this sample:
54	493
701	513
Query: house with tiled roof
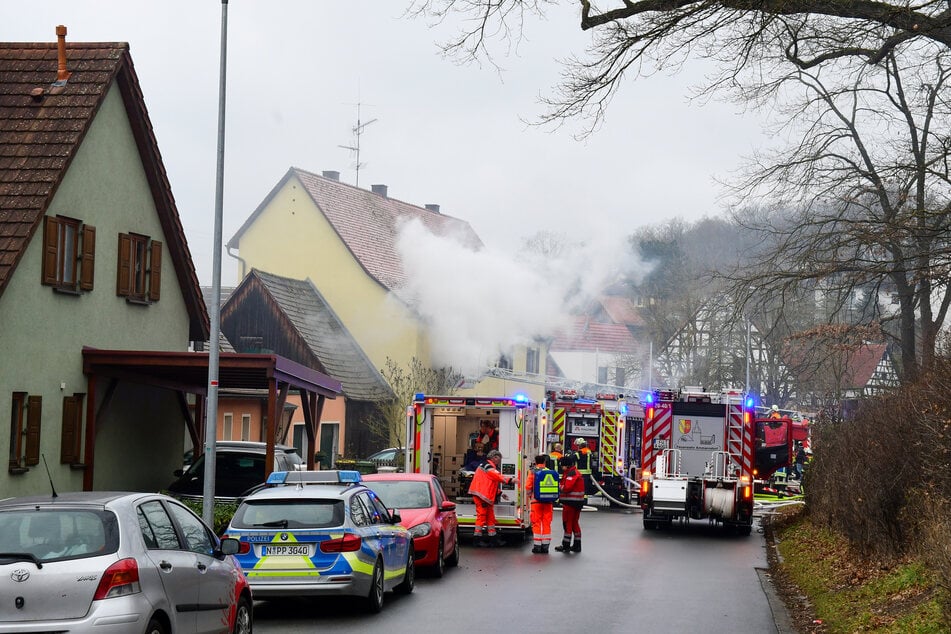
92	256
291	318
343	239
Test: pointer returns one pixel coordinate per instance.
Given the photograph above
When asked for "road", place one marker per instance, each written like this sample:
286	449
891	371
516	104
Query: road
691	579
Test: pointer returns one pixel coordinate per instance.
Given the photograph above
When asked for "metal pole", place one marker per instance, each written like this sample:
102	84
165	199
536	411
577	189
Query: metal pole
211	418
748	352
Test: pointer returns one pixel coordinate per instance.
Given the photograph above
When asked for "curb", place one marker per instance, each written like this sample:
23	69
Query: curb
776	606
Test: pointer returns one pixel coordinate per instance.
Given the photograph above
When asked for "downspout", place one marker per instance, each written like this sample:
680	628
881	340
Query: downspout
244	264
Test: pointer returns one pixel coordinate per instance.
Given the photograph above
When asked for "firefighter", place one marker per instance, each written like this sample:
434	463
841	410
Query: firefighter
572	501
542	486
554	456
774	412
484	491
587	464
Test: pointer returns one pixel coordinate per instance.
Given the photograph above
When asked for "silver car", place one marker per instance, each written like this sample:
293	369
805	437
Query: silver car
116	562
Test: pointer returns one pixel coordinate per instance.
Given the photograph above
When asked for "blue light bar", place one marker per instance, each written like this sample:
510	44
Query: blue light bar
623	408
276	477
419	396
521	398
349	477
649	398
749	402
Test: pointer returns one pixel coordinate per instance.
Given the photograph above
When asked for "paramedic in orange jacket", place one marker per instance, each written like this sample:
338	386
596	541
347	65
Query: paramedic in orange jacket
542	487
484	491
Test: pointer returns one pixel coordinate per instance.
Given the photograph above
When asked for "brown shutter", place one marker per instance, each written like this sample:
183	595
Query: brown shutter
67	453
34	414
50	243
124	268
87	265
155	271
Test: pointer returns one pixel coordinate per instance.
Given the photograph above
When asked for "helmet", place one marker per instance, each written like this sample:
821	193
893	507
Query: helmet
581	442
775	407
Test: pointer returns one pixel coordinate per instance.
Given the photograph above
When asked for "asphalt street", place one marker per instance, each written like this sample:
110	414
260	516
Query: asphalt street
694	578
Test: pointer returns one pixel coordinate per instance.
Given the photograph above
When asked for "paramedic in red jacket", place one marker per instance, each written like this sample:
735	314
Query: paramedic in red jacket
484	491
572	501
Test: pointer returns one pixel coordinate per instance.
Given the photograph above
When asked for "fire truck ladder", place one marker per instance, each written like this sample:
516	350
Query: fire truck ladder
737	448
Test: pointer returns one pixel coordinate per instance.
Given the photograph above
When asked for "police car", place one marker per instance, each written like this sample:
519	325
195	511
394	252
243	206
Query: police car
315	533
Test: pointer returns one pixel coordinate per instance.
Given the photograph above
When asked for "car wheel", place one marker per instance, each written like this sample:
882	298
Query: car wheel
156	626
375	596
439	569
409	579
453	559
242	617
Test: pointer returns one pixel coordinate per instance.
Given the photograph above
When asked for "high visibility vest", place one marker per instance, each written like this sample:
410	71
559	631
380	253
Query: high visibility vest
584	462
546	485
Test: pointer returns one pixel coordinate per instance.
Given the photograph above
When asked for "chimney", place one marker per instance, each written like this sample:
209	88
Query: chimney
331	174
378	189
61	73
432	207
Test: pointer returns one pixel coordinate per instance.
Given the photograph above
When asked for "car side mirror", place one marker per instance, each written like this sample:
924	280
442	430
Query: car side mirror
447	506
395	517
229	546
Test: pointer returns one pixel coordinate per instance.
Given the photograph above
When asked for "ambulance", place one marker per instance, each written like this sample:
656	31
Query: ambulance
441	432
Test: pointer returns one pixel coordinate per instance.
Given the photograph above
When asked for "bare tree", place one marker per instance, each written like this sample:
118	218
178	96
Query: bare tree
640	37
389	421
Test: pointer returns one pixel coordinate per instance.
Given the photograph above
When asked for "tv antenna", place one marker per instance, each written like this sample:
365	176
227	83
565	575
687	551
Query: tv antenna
355	148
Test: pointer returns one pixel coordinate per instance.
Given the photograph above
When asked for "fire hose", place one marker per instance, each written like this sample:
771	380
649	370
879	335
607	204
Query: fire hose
616	501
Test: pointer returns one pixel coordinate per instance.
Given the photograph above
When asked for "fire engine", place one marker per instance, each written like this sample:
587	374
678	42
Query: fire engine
698	458
441	431
601	423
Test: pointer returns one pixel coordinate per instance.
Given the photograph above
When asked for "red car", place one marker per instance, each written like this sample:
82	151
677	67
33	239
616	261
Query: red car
425	511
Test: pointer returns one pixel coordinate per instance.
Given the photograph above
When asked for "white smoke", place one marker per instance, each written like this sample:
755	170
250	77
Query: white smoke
480	304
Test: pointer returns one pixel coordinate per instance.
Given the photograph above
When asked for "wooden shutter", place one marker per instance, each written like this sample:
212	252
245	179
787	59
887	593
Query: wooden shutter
124	268
50	245
87	263
155	271
34	413
72	429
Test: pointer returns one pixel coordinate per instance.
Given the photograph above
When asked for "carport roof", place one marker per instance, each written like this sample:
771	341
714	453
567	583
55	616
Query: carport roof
188	371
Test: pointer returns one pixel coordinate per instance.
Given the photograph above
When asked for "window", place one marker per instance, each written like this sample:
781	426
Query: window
25	431
531	361
619	376
228	427
139	271
245	426
603	375
69	250
156	526
71	442
196	535
504	363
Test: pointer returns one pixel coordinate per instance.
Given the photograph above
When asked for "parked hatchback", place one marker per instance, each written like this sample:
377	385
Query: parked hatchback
116	562
425	511
322	533
239	470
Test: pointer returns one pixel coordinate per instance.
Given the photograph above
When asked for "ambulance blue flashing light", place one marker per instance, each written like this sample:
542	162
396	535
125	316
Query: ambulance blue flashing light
419	396
521	398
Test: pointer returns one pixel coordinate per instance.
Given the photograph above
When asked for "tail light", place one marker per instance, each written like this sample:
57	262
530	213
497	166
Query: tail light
119	579
244	548
346	544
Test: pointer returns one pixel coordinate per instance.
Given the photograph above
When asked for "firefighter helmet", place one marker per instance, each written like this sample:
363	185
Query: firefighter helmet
581	442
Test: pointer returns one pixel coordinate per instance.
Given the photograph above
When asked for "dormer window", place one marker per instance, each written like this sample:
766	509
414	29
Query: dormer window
69	254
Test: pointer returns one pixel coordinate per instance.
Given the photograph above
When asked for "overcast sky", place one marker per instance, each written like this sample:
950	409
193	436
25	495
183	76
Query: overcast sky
441	133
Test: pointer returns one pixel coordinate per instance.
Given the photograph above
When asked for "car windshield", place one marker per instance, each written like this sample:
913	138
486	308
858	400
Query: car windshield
404	494
277	513
56	534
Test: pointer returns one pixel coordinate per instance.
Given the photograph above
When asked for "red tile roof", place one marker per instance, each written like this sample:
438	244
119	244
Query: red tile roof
367	223
862	363
584	334
42	127
621	310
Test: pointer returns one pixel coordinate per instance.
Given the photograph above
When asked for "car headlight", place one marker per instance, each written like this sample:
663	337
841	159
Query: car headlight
421	530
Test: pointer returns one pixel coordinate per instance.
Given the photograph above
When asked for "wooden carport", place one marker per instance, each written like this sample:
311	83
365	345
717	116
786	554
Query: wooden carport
187	373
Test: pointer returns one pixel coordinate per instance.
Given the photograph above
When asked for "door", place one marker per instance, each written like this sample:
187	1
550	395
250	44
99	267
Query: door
419	438
176	566
217	581
329	433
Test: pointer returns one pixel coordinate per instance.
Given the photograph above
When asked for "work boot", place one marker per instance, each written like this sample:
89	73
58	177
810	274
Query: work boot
576	547
479	541
544	549
496	541
537	550
565	546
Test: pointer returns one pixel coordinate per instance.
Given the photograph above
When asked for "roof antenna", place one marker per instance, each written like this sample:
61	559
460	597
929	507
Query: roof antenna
357	132
52	488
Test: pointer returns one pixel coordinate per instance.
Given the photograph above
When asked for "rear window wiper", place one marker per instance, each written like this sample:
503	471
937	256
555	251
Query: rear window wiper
22	557
274	524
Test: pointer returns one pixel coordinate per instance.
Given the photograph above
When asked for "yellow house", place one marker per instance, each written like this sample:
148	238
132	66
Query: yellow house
343	239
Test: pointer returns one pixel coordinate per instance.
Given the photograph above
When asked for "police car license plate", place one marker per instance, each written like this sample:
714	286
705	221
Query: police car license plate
300	550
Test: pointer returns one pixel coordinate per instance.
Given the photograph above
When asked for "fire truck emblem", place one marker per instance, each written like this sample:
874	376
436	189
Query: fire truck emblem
684	425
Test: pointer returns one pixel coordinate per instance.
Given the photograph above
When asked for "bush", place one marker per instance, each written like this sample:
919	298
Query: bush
222	517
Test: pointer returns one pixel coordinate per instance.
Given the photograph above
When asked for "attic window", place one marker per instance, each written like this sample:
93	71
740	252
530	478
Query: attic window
69	253
139	270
